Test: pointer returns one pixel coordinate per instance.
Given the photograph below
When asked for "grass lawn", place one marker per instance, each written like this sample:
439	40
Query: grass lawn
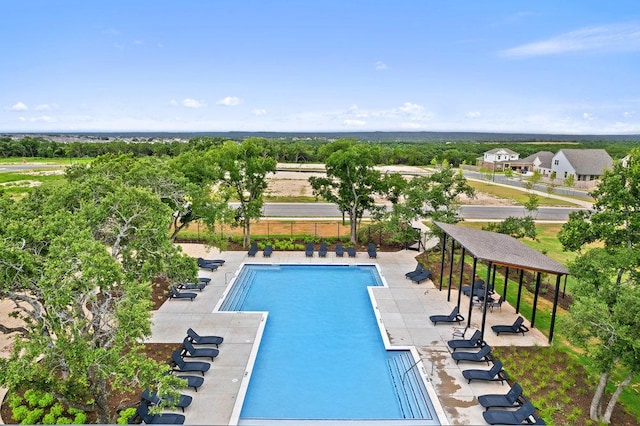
516	195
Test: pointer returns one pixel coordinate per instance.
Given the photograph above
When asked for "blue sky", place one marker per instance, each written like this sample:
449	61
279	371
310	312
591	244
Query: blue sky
545	66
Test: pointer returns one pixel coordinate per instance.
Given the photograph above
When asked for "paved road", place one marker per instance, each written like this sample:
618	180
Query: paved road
28	166
315	210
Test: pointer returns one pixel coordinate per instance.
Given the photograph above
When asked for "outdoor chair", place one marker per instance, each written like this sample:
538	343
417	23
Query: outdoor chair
213	261
191	286
467	290
496	303
495	374
196	339
512	398
206	265
351	251
515	328
508	417
417	271
253	249
192	381
308	251
473	342
204	280
183	366
483	355
268	249
422	276
372	251
190	351
322	252
142	414
339	250
454	316
152	398
174	293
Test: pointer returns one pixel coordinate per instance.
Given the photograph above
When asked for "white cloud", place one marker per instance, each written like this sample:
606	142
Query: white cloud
381	65
411	108
357	123
259	111
42	119
605	38
46	107
19	107
192	103
473	114
230	101
588	117
627	114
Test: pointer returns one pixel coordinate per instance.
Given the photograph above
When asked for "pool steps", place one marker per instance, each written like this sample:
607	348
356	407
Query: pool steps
408	385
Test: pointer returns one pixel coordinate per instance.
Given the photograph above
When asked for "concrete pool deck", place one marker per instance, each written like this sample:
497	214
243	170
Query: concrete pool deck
404	308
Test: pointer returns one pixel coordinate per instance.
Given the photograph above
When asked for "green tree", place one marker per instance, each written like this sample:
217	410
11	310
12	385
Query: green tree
351	181
244	168
606	308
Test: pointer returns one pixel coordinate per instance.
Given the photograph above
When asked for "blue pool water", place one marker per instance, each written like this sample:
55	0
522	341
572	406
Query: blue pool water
321	355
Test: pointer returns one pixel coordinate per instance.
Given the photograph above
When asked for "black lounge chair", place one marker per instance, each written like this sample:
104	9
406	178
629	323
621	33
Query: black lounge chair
152	398
417	271
174	293
204	280
509	417
196	339
512	398
351	251
193	381
422	276
495	374
205	265
253	249
484	354
308	251
472	342
477	286
214	261
142	415
339	250
372	251
193	352
192	286
515	328
268	249
454	316
183	366
322	252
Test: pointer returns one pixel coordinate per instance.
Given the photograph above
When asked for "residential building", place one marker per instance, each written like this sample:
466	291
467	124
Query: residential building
586	165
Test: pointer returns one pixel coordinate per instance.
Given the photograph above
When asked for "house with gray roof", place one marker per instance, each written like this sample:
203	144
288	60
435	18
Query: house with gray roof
540	161
586	165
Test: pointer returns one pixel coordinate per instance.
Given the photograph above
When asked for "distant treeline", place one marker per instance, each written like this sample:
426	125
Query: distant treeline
292	150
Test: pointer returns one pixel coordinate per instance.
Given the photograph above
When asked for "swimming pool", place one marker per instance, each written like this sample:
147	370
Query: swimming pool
321	355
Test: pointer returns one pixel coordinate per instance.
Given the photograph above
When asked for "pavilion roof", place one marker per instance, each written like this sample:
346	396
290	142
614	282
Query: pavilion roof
502	249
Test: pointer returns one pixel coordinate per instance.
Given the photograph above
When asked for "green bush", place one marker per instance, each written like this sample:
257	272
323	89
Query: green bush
33	417
20	413
125	415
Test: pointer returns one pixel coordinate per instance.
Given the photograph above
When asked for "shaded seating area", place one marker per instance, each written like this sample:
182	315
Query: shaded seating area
510	417
513	398
515	328
308	251
339	250
322	251
253	249
372	251
483	355
468	290
268	249
454	316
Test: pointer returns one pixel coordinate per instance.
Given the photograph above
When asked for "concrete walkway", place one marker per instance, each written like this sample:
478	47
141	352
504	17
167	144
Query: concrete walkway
404	309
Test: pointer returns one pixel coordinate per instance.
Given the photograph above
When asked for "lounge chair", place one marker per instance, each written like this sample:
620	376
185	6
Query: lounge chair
142	413
322	252
494	374
191	286
351	251
484	354
372	251
191	351
196	339
422	276
417	271
512	398
193	381
218	261
473	342
477	285
152	398
206	265
183	366
308	251
517	327
253	249
268	249
174	293
508	417
339	250
454	316
204	280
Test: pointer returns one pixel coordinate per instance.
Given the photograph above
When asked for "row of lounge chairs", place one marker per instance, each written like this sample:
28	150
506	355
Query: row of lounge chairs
183	368
322	252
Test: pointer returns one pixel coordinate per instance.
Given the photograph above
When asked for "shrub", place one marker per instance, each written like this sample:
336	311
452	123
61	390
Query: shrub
125	415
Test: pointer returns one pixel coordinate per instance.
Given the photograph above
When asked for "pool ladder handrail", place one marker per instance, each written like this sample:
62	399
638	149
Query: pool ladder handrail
404	375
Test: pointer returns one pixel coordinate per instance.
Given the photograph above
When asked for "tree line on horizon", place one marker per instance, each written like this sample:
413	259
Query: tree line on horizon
290	150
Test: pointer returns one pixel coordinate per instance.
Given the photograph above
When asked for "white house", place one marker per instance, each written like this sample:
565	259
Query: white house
540	161
586	165
498	159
